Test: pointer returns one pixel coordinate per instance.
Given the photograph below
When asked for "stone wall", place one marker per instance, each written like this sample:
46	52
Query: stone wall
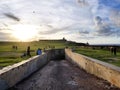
56	54
11	75
101	69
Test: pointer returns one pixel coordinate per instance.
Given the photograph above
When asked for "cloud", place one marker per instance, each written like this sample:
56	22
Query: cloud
98	20
12	16
50	26
54	18
6	36
86	37
115	17
118	32
54	30
84	33
82	3
103	28
104	31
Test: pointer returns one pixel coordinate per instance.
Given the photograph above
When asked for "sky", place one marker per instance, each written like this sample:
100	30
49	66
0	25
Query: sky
92	21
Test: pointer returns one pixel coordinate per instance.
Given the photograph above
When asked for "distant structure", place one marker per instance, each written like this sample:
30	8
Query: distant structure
64	39
53	40
75	43
87	44
67	42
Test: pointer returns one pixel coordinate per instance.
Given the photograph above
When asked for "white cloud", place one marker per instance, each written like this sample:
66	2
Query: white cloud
115	17
54	17
103	28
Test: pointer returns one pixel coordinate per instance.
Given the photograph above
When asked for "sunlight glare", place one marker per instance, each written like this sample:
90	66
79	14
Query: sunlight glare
24	32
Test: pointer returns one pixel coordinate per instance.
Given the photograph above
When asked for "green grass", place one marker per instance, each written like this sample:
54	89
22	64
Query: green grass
100	54
5	61
9	56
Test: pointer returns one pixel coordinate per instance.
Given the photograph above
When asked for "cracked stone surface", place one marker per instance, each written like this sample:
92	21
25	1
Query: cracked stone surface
62	75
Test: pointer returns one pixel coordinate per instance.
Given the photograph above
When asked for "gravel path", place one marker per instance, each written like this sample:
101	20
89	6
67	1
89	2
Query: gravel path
62	75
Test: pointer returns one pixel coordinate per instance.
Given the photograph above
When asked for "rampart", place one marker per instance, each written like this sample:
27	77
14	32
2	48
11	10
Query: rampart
100	69
11	75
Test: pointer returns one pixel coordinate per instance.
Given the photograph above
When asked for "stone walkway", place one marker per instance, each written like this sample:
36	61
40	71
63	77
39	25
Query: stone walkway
62	75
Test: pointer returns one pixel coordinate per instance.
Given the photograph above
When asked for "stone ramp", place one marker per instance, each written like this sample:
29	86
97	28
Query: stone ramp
62	75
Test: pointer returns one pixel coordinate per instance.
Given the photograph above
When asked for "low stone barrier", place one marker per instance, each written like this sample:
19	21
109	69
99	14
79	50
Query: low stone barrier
11	75
101	69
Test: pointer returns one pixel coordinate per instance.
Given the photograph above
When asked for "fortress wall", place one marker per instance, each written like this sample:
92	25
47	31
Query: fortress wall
100	69
11	75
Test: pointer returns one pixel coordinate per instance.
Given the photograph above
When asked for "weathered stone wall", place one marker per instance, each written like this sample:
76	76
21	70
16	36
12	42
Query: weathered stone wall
101	69
11	75
56	54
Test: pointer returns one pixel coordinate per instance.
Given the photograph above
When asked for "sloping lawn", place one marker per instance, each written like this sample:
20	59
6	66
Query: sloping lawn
9	56
103	55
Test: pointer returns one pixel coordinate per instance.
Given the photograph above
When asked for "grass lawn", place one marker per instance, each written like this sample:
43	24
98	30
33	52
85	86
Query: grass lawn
9	56
100	54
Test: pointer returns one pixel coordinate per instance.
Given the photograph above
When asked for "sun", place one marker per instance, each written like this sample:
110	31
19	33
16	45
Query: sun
24	32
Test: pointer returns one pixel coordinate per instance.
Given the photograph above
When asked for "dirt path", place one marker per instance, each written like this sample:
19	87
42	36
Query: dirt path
62	75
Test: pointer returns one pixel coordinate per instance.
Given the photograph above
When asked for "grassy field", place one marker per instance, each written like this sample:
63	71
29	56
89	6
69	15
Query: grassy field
9	56
101	54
